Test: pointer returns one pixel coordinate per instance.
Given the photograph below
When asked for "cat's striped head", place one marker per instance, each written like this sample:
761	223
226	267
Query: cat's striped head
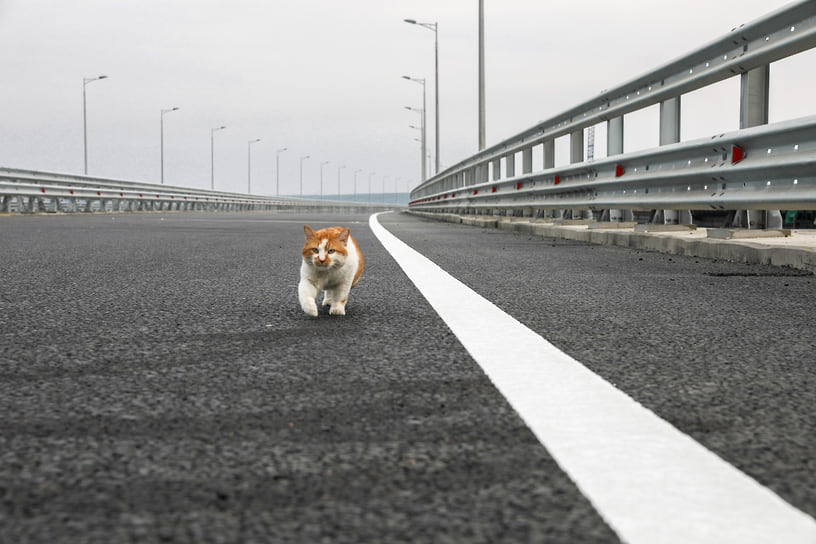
326	248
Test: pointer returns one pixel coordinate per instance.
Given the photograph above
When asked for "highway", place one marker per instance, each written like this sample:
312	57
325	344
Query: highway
160	383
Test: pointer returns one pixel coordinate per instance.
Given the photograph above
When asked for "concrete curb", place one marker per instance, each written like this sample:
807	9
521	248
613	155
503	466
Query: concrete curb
742	250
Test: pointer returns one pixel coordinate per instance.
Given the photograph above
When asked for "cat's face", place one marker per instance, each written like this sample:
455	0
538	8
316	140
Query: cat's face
326	248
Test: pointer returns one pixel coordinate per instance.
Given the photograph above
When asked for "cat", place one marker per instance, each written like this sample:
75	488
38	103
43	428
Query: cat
332	262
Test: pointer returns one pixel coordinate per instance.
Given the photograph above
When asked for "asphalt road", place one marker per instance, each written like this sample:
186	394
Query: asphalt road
159	382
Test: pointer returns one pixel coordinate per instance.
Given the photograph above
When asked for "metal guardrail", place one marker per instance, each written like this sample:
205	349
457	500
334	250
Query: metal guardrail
771	167
32	191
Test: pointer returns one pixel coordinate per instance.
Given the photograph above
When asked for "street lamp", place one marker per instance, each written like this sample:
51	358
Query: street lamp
301	174
355	183
322	164
212	155
249	164
338	179
481	77
277	170
421	112
435	28
85	81
161	119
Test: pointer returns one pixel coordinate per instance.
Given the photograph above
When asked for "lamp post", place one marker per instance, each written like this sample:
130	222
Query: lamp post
355	183
322	164
481	78
249	164
301	174
421	112
435	28
338	179
277	170
161	122
85	81
424	140
212	155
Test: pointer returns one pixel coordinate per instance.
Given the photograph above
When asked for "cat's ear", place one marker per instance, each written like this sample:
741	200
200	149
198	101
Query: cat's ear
307	230
344	236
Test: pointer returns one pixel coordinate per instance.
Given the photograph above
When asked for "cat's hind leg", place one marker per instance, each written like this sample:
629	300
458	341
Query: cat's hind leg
307	291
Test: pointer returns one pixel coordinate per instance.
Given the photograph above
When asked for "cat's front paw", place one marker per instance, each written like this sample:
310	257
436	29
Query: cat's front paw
338	309
310	307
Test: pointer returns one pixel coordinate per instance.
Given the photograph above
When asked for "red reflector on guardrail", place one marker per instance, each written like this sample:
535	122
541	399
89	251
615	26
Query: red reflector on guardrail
43	189
737	154
556	180
618	171
518	186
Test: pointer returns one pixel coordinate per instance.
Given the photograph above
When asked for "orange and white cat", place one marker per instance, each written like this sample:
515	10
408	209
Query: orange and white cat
332	262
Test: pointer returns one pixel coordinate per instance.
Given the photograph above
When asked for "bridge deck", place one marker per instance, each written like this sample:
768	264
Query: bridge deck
159	381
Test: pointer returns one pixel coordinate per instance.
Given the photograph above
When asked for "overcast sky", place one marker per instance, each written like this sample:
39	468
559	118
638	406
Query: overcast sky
323	78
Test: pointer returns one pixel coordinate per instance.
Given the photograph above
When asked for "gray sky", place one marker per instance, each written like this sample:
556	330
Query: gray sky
323	78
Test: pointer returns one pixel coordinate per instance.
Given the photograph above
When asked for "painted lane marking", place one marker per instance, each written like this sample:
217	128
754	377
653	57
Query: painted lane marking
650	482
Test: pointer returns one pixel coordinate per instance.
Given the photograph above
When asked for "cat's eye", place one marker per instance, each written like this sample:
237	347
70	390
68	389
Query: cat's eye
315	250
331	251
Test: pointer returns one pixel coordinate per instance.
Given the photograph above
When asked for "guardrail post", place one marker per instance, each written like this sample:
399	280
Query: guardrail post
754	86
527	160
549	154
496	169
614	136
577	146
670	134
614	146
549	162
577	156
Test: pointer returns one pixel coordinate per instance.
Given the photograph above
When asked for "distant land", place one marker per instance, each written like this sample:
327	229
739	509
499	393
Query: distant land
379	198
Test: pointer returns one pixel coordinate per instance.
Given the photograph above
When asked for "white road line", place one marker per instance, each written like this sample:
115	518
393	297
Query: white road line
650	482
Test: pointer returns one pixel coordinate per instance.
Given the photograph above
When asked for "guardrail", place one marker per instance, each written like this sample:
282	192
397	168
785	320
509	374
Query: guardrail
760	167
757	168
29	191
